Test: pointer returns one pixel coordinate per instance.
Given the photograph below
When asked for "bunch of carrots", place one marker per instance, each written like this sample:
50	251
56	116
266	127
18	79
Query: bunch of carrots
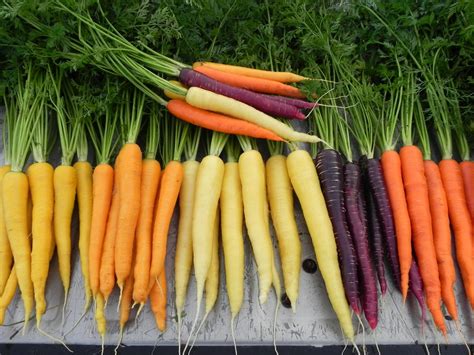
400	205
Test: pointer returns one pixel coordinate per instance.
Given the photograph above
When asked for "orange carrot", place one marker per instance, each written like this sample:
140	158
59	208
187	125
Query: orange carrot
251	83
170	185
441	235
150	179
282	77
416	191
392	173
102	185
460	220
129	182
158	296
218	122
107	264
467	168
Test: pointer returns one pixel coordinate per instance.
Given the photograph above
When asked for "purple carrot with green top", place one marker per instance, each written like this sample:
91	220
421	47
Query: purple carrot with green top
272	107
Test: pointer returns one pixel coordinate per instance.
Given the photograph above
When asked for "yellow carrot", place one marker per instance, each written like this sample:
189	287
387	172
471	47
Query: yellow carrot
305	182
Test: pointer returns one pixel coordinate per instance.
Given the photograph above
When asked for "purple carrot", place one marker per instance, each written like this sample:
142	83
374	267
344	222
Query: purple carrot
384	212
374	228
358	229
331	175
190	77
415	285
294	102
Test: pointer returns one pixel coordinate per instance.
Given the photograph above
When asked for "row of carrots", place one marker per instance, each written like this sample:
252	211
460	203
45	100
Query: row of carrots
125	210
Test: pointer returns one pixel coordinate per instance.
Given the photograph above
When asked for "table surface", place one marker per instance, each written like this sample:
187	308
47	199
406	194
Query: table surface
313	324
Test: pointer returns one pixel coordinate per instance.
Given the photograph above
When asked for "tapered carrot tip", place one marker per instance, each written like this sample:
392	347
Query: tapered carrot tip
160	323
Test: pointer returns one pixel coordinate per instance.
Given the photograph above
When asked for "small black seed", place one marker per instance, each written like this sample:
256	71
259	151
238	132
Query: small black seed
448	317
310	266
285	301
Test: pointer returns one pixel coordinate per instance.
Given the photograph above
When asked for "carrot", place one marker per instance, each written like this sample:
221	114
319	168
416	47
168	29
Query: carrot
22	106
208	100
107	258
439	216
129	183
416	190
282	77
206	197
467	169
8	294
84	199
254	196
256	100
6	257
451	176
102	188
40	177
65	177
442	235
392	174
280	196
459	216
174	135
151	172
231	208
218	122
184	249
251	83
158	296
305	182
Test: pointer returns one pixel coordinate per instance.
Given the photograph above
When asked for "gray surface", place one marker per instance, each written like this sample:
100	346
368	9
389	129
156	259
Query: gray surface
313	324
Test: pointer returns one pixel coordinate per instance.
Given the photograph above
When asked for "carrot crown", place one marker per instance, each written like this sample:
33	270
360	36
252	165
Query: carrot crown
363	116
390	111
192	144
174	138
217	143
232	150
343	137
459	130
407	109
131	112
275	148
23	105
102	133
68	123
422	130
153	133
247	143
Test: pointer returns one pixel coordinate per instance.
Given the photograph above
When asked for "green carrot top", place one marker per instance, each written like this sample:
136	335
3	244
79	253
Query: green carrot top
23	104
153	133
192	143
247	143
68	123
174	138
217	143
232	150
